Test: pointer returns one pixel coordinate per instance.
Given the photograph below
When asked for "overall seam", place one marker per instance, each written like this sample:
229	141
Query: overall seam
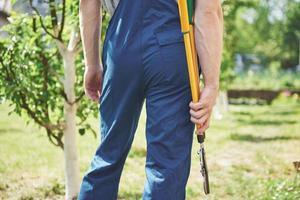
142	50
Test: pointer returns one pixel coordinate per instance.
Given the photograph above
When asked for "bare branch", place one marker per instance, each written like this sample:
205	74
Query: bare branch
42	23
74	39
58	139
77	46
49	135
32	114
94	132
62	19
53	13
64	95
79	98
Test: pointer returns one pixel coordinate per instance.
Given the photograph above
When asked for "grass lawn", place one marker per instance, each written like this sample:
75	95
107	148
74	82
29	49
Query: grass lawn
250	154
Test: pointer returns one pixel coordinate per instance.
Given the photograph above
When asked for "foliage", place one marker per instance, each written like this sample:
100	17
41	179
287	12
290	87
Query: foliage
253	27
32	68
231	37
291	35
267	79
32	76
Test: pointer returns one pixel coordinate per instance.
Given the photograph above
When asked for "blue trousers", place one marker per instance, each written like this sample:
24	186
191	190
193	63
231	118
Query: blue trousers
143	59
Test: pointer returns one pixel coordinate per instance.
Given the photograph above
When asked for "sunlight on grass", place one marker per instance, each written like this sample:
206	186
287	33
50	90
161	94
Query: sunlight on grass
249	152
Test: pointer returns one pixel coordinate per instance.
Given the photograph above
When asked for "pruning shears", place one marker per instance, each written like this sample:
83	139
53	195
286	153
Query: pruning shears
186	12
203	166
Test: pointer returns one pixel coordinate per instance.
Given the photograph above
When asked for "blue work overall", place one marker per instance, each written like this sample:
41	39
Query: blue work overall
143	58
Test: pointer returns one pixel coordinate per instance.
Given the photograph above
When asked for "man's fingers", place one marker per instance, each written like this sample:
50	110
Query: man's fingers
201	111
93	83
196	106
200	121
198	114
203	127
92	94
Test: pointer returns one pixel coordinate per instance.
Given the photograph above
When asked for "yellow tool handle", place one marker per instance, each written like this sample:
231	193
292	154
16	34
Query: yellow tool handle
195	63
190	49
184	16
193	71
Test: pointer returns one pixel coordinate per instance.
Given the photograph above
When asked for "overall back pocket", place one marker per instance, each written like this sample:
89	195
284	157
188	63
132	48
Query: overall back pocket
172	52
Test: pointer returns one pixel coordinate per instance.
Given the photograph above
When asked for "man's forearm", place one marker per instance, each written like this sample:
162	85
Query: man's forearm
209	39
90	23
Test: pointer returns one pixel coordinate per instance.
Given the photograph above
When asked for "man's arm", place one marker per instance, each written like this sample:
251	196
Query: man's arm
90	30
209	42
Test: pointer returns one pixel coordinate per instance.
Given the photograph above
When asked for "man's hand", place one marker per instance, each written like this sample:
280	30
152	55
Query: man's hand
93	82
201	111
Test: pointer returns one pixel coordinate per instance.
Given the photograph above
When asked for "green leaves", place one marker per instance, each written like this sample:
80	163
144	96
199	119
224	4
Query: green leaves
32	74
273	39
81	131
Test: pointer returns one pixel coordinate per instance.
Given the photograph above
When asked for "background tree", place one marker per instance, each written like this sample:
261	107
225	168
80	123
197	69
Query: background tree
42	77
291	35
231	36
268	28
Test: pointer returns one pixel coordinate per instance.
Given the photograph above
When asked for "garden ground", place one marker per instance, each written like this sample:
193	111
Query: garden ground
249	152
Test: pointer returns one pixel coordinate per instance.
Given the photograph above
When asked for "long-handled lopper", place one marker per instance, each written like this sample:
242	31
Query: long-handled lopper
186	12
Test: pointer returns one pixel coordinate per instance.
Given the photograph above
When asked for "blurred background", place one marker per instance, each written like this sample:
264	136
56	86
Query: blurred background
49	130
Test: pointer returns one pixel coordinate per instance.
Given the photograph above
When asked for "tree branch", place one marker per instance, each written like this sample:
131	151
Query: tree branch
53	13
32	114
79	97
62	19
42	23
58	142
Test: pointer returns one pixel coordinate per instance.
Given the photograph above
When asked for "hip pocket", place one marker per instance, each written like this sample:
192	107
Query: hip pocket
172	52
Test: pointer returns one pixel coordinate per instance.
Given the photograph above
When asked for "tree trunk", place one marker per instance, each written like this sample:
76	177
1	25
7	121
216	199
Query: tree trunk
70	149
6	6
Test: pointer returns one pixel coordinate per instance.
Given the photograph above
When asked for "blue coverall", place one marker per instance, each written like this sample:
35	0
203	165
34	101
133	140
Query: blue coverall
143	58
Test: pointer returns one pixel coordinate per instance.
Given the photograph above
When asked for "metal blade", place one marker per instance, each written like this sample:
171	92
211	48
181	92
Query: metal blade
203	165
